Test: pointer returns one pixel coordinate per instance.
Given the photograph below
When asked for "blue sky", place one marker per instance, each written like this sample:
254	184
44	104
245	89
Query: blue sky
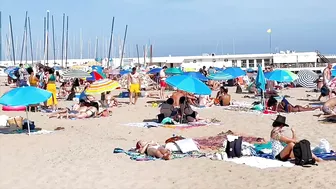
183	27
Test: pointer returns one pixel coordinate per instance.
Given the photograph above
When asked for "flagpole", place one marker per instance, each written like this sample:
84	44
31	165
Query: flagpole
270	41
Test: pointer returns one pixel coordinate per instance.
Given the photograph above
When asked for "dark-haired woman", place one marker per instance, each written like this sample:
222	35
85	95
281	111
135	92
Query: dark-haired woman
51	87
285	106
186	110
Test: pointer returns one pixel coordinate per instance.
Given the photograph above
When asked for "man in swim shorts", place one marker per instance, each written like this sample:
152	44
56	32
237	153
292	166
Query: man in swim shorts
328	108
163	83
134	85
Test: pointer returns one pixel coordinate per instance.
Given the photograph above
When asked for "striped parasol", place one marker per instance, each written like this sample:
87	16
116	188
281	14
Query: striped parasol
101	86
306	78
76	74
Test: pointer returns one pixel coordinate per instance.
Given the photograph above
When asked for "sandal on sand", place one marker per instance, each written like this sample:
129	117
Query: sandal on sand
59	128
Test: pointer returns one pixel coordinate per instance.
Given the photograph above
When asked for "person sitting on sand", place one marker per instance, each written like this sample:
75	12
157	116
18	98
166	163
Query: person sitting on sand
185	108
285	106
205	101
279	151
328	108
213	84
167	108
153	149
110	100
178	94
223	97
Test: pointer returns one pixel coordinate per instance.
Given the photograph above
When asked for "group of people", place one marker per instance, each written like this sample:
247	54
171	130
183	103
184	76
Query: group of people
44	79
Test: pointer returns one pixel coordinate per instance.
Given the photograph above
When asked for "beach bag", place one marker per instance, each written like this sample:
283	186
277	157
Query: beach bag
303	153
234	148
31	125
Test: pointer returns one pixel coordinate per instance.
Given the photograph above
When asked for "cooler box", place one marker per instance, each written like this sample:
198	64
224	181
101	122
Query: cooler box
124	95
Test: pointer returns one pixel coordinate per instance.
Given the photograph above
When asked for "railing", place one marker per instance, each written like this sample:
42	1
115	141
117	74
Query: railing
322	57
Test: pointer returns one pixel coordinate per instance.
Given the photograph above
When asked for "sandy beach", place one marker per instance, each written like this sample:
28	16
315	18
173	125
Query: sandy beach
81	156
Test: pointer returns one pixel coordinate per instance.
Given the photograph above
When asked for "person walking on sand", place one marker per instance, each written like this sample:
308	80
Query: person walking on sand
326	81
163	83
134	85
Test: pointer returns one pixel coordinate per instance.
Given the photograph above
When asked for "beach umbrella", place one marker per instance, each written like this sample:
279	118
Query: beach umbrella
220	76
11	69
306	78
101	86
154	71
196	75
18	97
188	84
282	76
250	70
123	72
76	74
97	67
260	79
94	76
234	71
173	71
57	68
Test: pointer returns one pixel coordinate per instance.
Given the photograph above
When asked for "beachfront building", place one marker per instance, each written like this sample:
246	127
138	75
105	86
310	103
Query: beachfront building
290	60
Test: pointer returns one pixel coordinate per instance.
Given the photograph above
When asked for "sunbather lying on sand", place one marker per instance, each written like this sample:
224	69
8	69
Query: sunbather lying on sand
153	149
285	106
85	111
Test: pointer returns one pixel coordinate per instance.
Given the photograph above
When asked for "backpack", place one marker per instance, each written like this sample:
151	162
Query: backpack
303	153
234	148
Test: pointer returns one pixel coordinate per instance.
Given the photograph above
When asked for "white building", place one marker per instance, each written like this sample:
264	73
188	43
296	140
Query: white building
290	60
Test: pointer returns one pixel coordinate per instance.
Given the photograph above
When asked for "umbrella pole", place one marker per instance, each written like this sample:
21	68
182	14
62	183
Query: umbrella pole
28	121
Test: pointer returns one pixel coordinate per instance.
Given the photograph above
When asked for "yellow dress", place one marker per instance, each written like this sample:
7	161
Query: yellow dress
51	87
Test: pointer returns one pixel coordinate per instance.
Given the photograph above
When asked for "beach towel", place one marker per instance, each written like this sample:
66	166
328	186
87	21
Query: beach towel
259	162
142	157
216	142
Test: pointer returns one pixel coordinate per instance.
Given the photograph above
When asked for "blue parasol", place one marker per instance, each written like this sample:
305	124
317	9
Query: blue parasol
196	75
188	84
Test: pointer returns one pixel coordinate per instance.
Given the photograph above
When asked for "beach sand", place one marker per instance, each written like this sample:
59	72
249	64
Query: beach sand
81	156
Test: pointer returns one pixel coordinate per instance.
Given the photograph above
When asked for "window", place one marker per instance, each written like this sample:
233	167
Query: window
251	63
234	63
194	61
267	62
243	64
226	60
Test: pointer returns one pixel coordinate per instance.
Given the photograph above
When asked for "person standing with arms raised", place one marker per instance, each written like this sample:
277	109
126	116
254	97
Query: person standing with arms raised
134	85
163	83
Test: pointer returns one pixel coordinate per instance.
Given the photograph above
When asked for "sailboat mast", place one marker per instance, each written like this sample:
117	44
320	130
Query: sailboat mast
31	42
53	31
123	47
24	38
67	42
62	53
11	32
110	47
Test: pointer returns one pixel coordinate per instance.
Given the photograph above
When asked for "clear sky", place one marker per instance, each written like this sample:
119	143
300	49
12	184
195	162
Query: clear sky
183	27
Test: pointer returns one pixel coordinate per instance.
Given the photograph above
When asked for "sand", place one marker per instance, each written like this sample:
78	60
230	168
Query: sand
81	156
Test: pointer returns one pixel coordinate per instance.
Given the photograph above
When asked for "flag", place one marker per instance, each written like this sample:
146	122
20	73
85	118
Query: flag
269	31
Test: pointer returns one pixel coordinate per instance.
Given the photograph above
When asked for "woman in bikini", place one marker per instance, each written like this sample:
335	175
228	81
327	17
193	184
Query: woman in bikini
282	146
185	109
285	106
153	149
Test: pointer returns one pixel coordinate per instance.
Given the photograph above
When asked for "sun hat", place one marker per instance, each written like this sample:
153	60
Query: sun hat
280	120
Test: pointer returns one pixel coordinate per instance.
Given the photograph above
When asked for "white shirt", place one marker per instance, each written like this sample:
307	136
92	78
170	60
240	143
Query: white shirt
162	75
